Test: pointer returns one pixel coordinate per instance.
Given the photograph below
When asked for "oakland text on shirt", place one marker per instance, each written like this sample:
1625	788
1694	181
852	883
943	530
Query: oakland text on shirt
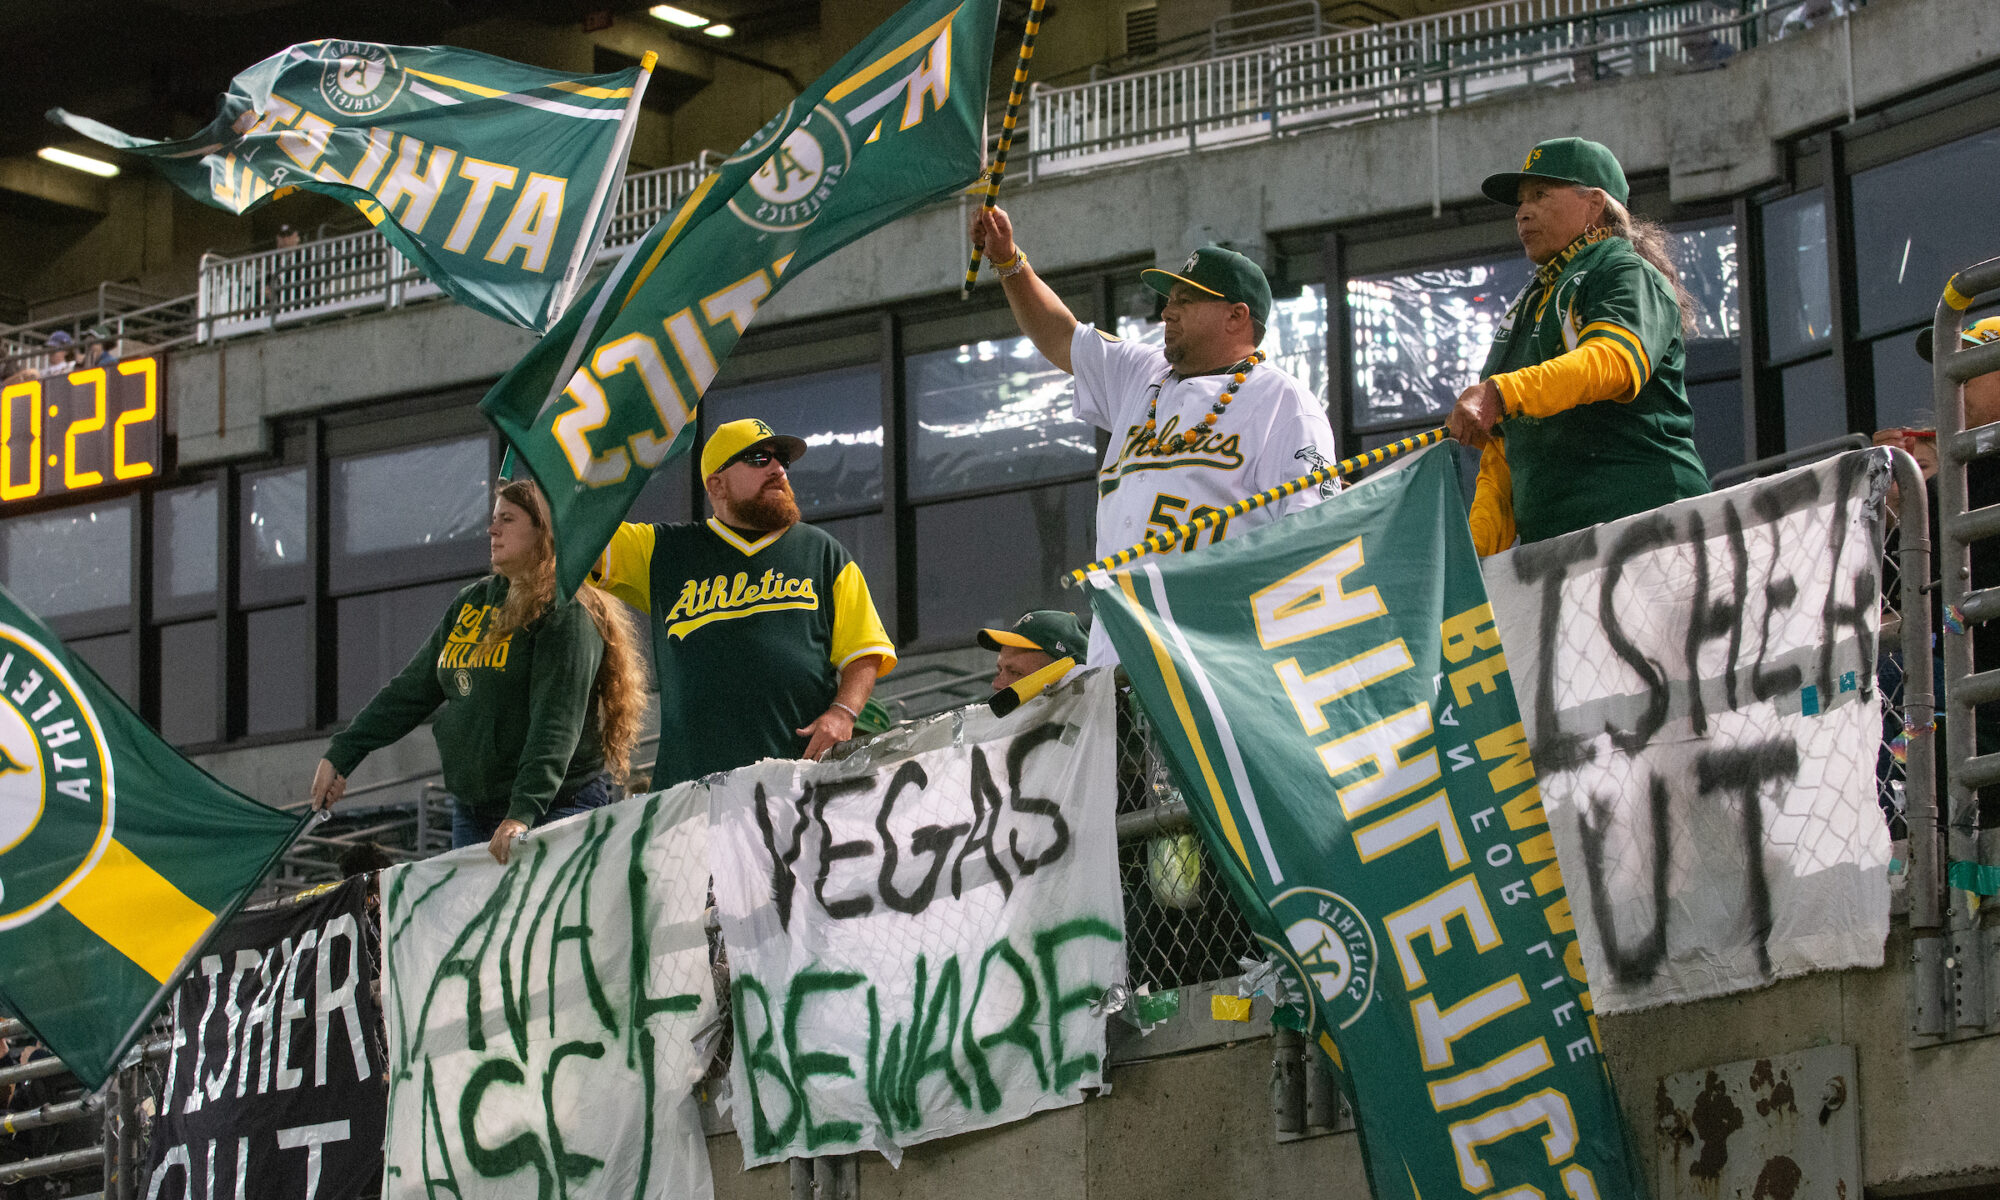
1166	448
462	648
725	599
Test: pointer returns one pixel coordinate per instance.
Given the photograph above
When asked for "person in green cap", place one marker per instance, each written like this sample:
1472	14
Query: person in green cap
1580	414
1039	650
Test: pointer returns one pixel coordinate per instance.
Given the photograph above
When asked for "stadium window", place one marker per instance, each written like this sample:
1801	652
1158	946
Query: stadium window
1913	228
1815	407
186	667
275	651
1420	336
1798	305
988	559
72	567
990	413
110	658
271	557
184	550
378	632
837	412
410	514
1705	254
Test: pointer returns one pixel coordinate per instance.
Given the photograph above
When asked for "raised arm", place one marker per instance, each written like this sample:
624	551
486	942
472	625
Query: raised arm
1039	312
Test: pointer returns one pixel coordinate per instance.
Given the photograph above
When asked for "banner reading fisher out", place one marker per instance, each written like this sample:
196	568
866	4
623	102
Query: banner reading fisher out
275	1085
1700	692
918	934
542	1015
1334	703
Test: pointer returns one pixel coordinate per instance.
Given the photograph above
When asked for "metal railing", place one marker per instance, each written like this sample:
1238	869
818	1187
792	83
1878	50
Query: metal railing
36	1131
125	320
1394	69
288	285
1969	601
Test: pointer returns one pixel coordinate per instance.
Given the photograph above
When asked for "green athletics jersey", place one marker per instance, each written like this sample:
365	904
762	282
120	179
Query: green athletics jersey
1585	463
518	732
749	637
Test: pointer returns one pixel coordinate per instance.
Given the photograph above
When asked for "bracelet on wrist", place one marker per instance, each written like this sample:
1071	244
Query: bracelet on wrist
843	708
1012	267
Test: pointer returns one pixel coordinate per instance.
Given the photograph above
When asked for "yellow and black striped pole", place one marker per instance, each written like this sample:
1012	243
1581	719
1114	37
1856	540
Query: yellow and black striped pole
1166	538
1007	124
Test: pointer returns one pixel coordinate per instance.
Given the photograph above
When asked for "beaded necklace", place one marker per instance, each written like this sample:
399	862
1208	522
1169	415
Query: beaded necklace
1240	372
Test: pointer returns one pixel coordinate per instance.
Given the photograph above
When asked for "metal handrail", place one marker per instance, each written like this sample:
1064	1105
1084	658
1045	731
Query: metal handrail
1379	71
1790	458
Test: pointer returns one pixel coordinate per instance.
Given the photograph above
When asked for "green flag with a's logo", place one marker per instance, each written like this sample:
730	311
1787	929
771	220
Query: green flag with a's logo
117	855
1334	702
605	397
493	177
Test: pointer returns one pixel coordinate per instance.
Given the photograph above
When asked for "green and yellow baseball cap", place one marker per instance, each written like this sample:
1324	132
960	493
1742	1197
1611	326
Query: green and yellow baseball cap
732	439
1563	160
1054	632
1978	333
1222	273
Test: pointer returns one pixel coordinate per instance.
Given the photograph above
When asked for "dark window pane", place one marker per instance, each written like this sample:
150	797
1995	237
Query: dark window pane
1420	337
378	634
873	546
1796	303
184	532
987	561
1705	255
1815	410
838	413
69	562
991	413
1902	383
408	513
111	657
273	534
188	658
1913	227
275	650
1718	423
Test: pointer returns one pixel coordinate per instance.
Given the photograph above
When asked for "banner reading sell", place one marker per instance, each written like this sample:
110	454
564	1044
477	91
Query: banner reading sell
493	177
1335	705
117	855
605	398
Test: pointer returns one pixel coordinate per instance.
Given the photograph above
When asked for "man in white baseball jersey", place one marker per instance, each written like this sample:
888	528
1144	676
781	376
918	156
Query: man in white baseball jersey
1196	423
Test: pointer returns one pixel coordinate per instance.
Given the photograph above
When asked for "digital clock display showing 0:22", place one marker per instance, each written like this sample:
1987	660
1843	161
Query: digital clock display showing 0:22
91	428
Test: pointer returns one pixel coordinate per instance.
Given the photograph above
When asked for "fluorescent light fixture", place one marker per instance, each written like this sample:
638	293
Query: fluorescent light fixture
678	16
720	31
77	162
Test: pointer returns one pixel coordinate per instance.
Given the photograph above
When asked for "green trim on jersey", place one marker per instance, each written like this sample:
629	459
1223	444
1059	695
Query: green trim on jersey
1598	462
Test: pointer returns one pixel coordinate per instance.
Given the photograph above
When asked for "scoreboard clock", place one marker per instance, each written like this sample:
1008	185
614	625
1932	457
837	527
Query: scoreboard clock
92	428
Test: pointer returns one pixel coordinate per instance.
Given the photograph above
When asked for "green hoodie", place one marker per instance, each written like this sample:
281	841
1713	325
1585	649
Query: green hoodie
518	732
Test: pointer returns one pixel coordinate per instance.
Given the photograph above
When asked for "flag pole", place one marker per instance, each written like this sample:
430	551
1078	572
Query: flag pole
1007	123
1165	539
597	218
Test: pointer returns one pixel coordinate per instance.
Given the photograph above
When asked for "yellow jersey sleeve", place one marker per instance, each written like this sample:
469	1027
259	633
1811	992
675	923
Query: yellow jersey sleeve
1492	514
857	629
1600	368
625	569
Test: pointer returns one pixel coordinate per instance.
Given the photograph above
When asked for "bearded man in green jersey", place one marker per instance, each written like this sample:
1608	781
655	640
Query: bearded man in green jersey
765	638
1581	411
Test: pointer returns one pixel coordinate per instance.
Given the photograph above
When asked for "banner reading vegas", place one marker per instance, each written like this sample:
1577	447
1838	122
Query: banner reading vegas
601	401
118	857
1334	704
493	177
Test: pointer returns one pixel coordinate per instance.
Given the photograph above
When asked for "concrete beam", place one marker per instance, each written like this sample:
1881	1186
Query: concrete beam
633	36
61	186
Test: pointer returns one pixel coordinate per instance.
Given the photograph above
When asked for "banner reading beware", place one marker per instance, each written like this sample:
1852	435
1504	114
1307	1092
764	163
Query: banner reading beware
918	934
1334	704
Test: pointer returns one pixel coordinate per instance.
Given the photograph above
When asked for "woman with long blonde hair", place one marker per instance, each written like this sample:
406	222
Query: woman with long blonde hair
538	699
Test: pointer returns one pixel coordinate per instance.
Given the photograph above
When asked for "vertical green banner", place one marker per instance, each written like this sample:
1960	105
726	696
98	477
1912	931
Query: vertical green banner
1334	702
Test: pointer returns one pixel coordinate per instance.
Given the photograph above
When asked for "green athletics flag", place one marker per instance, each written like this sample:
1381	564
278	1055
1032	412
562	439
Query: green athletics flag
607	396
1333	701
118	857
494	178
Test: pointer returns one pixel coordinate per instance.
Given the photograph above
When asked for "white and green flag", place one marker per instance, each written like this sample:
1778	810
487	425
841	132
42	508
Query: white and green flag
495	178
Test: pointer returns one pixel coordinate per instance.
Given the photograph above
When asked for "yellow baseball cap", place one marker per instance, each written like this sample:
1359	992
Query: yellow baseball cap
732	439
1986	329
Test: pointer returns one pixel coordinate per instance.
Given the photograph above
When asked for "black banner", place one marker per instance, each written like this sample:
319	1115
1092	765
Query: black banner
276	1084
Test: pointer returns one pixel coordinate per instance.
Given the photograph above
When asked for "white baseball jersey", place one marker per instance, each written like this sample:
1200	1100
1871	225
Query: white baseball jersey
1271	432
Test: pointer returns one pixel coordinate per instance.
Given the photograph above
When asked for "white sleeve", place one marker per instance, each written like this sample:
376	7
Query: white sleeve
1301	441
1109	371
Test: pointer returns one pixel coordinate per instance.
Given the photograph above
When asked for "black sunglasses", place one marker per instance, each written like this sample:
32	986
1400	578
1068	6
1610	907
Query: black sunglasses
760	458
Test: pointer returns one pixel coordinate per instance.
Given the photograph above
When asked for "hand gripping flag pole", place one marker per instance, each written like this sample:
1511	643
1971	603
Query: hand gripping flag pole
1007	124
1167	537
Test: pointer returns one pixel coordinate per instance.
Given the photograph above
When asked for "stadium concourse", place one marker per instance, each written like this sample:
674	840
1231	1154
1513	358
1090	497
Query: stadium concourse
1786	913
